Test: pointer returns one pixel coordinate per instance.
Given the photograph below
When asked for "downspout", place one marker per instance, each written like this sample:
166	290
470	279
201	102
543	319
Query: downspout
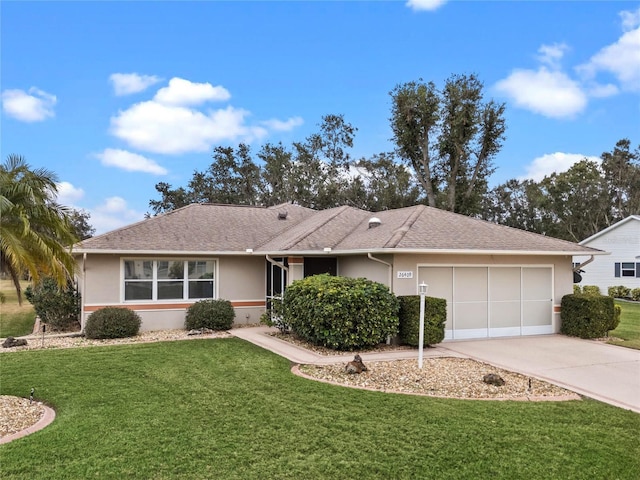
578	267
371	257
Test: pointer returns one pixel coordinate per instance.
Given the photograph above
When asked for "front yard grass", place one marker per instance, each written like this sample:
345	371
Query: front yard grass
628	332
224	408
15	320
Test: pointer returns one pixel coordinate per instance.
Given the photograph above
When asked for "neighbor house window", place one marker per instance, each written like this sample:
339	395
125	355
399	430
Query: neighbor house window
627	269
169	279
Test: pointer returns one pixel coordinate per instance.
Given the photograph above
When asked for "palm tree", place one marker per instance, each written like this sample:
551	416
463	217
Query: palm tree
35	231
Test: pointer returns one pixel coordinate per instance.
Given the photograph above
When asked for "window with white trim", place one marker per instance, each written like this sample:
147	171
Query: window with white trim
169	279
627	269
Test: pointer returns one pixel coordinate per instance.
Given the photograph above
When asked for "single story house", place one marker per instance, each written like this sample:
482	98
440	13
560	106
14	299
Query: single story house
622	267
497	280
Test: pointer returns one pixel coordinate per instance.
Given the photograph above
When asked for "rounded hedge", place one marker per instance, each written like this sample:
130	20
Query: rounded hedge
435	316
339	312
112	322
588	316
211	314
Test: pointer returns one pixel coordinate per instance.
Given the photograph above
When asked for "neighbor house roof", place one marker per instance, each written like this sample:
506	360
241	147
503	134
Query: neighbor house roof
291	229
630	218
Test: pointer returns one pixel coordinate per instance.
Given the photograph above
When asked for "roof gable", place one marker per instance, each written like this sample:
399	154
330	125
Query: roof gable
615	226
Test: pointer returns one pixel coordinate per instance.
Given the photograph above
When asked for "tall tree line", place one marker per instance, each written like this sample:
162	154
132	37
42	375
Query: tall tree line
445	143
575	204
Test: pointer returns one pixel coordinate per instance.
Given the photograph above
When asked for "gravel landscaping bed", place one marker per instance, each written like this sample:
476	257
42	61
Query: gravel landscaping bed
440	377
18	414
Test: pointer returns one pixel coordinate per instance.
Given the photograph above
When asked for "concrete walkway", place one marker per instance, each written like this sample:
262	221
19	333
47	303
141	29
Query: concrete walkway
605	372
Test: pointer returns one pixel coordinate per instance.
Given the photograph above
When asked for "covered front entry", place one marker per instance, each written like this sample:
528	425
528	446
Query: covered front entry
493	301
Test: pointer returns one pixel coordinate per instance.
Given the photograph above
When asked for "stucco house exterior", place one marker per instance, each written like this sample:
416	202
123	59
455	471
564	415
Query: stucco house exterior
622	266
497	280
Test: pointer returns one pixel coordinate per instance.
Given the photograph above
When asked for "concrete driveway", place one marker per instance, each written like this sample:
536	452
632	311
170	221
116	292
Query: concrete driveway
605	372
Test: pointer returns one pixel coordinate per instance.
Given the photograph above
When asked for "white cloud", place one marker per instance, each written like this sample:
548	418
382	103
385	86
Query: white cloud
630	20
34	106
551	55
158	128
113	213
602	91
621	59
280	126
128	83
181	92
131	162
550	93
68	194
553	162
429	5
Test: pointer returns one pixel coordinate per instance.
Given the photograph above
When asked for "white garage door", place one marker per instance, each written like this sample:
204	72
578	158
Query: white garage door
493	301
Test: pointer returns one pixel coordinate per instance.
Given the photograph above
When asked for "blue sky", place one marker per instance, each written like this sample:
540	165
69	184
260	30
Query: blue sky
117	96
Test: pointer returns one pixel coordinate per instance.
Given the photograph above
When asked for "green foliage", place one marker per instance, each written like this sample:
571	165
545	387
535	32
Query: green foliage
577	289
593	290
435	316
35	231
617	313
635	294
58	307
273	316
213	314
587	316
449	137
112	322
341	313
619	291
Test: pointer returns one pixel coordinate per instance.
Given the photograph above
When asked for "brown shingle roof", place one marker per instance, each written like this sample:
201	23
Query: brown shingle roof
229	228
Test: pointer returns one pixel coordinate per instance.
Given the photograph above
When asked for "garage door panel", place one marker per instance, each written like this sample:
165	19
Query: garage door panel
536	313
536	283
470	284
471	315
505	314
504	284
440	281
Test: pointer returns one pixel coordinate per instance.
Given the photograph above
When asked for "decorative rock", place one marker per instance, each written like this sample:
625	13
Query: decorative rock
11	342
195	332
493	379
356	366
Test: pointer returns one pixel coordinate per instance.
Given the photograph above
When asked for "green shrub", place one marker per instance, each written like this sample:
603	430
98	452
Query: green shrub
112	322
339	312
273	316
577	289
591	290
213	314
635	294
587	316
619	291
58	307
617	311
435	316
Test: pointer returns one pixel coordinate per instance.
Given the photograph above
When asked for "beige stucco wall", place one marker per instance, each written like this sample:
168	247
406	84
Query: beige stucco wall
239	279
362	266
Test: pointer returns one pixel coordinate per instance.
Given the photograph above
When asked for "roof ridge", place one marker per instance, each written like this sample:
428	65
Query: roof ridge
399	233
308	232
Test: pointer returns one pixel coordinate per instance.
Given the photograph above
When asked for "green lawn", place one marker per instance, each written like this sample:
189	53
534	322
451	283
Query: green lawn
224	408
15	320
628	332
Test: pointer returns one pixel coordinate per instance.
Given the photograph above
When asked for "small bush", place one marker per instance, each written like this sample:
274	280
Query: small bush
587	316
58	307
617	311
635	294
591	290
619	291
435	316
273	316
213	314
340	312
112	322
577	289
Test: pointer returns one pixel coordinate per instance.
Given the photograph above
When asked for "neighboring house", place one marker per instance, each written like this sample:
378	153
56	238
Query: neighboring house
497	280
622	267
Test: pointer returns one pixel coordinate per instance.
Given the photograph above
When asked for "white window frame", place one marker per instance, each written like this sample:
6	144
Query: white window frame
155	281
